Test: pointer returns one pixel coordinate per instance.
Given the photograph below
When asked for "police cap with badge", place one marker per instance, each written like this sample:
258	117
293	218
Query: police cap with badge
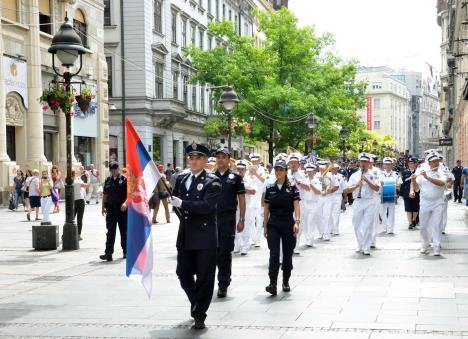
197	149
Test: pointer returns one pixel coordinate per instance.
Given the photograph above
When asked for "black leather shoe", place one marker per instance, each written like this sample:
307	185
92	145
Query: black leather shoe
286	287
106	257
199	324
222	292
271	289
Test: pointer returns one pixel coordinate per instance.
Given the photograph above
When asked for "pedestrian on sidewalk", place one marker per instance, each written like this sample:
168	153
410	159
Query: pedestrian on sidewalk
93	186
18	185
79	190
431	183
195	197
57	186
364	185
457	172
232	194
34	193
114	208
45	189
282	219
25	190
162	197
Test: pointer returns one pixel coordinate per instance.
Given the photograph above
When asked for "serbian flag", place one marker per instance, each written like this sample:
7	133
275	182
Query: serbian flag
142	179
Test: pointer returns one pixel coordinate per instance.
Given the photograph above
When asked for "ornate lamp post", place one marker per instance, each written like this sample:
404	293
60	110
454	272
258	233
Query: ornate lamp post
344	133
229	99
68	46
312	124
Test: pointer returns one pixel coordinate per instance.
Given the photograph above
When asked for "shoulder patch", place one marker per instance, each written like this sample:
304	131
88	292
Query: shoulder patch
216	183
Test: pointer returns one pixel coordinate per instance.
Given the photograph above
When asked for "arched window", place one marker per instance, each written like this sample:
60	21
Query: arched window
79	24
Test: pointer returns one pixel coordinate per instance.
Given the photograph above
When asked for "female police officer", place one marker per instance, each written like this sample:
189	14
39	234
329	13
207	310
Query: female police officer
281	201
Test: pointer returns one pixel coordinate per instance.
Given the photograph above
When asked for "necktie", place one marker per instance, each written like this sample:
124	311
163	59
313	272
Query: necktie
192	184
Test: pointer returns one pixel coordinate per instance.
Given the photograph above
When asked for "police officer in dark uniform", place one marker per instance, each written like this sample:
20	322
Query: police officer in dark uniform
195	197
411	203
281	225
457	172
114	208
232	190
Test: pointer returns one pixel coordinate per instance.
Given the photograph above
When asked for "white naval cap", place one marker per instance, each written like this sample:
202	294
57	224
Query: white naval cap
388	160
364	156
241	164
212	160
309	167
254	156
432	156
322	163
293	157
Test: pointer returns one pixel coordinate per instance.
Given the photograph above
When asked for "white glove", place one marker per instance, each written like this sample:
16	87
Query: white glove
176	202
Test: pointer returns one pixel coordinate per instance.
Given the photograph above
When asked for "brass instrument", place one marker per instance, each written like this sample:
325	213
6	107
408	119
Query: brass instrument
324	180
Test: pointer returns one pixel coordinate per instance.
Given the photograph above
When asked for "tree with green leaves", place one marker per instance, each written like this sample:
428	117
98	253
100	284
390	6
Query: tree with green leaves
292	75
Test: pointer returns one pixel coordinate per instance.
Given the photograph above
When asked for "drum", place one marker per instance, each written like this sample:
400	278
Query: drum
388	191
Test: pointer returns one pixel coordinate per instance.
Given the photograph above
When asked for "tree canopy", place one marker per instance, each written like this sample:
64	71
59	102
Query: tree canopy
293	74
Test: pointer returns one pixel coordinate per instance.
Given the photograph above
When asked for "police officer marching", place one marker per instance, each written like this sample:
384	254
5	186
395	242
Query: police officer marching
232	190
281	225
114	208
195	197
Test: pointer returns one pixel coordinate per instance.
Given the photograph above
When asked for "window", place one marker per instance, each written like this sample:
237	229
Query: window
184	33
107	13
158	16
200	3
192	37
377	103
79	24
376	85
44	16
201	38
185	90
210	42
9	10
209	6
230	15
224	11
246	29
174	27
109	75
175	84
217	10
194	97
236	26
159	79
376	124
202	98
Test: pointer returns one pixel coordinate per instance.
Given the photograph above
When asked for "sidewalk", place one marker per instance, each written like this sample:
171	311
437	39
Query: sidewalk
395	293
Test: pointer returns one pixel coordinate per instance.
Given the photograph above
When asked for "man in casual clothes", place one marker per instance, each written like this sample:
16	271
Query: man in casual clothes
93	184
169	172
457	172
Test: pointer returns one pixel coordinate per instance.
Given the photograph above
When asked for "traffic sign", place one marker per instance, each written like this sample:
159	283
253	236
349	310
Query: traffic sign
445	142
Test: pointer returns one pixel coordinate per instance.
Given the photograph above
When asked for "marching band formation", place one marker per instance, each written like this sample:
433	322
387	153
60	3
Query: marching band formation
226	206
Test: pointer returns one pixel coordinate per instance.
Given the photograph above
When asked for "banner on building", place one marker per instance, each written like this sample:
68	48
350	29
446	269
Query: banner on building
369	113
85	124
15	72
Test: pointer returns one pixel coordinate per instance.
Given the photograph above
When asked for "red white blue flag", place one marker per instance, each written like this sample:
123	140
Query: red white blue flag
143	177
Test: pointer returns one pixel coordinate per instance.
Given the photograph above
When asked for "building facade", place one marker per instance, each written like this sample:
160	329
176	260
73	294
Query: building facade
387	111
149	76
31	137
452	17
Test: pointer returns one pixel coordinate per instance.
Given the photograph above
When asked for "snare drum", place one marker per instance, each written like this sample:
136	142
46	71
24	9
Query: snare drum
388	191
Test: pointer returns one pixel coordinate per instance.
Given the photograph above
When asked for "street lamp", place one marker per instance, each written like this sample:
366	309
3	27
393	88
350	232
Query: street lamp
312	124
229	99
344	133
67	45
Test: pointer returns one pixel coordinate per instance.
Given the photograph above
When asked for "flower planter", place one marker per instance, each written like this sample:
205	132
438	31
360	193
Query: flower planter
83	102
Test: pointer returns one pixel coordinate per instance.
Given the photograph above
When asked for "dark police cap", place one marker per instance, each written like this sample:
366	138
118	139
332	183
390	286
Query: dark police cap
223	150
412	159
197	149
113	165
281	164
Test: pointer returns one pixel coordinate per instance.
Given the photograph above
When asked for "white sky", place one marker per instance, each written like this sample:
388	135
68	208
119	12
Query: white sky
394	33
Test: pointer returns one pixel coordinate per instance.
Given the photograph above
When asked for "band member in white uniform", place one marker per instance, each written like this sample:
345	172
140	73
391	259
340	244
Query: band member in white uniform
337	198
329	185
242	241
309	205
388	178
448	192
364	185
210	164
431	183
259	174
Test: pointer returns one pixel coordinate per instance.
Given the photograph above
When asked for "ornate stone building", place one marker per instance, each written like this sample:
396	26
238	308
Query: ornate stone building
31	137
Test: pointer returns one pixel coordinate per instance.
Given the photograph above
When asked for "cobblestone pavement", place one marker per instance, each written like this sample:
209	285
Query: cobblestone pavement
336	293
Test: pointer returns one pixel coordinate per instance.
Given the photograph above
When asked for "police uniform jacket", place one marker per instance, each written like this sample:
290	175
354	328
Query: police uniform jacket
232	185
406	184
281	203
197	229
116	191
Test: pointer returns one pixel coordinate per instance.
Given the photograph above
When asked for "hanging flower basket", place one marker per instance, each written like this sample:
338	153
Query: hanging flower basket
57	97
84	98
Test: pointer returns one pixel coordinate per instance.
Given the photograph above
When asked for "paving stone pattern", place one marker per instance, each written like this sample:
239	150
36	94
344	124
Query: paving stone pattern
336	293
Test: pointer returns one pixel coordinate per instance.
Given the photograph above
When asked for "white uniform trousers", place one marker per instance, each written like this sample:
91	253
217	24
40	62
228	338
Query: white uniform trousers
256	226
363	222
444	216
323	216
430	223
242	241
335	213
387	213
308	222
